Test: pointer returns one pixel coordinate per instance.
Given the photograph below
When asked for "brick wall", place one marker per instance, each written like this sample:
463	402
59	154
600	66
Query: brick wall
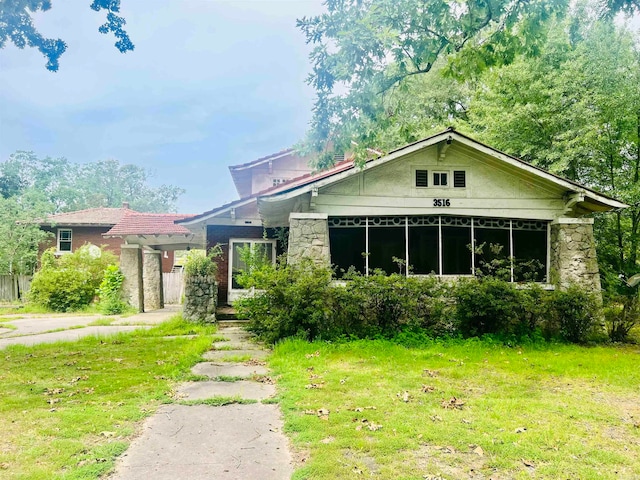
93	235
221	234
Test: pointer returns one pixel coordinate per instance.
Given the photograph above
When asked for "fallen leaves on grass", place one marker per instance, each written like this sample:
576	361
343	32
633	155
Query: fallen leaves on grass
314	386
312	355
404	396
361	409
53	391
77	379
427	389
528	463
453	403
521	429
252	362
477	449
264	379
323	413
429	373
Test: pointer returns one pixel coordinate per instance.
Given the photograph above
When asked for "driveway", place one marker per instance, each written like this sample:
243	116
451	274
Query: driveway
30	329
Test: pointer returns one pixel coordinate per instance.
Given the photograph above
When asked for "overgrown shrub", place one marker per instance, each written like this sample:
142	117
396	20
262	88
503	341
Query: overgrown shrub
621	315
69	282
201	264
110	291
62	290
303	300
573	314
294	300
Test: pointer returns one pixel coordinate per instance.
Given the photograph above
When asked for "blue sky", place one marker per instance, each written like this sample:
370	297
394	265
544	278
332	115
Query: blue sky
210	84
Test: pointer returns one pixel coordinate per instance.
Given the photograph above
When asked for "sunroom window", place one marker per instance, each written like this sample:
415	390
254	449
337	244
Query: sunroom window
516	250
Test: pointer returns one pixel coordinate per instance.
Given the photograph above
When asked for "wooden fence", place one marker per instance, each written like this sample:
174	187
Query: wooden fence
14	287
173	285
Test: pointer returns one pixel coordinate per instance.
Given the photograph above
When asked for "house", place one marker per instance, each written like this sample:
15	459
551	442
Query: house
436	206
71	230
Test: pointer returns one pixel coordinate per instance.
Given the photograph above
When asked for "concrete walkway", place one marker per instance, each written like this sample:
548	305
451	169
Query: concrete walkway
195	441
31	329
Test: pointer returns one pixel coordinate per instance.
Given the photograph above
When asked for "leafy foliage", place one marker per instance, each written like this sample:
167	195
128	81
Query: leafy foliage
19	232
16	25
621	316
366	51
69	186
110	291
301	300
201	264
69	282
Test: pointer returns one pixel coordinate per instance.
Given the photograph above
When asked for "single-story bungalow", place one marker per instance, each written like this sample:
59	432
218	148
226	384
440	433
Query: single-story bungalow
446	205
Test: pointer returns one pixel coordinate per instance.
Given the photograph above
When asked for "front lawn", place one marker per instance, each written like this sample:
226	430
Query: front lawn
68	409
465	409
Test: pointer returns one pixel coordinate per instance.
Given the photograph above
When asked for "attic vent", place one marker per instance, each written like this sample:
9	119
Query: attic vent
338	157
459	179
422	178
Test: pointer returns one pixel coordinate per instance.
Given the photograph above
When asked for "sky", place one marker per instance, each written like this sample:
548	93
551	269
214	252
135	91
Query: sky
211	83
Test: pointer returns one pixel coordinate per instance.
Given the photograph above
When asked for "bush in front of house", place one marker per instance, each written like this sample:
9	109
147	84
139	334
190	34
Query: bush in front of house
110	292
69	282
201	264
302	300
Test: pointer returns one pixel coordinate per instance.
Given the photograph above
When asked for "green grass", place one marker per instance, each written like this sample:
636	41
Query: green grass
102	322
8	326
67	410
555	411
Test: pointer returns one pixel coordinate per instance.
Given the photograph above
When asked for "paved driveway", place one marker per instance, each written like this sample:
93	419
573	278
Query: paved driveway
47	328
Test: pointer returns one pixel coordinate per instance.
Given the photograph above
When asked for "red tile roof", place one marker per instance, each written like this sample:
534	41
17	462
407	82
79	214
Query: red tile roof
261	159
91	216
135	223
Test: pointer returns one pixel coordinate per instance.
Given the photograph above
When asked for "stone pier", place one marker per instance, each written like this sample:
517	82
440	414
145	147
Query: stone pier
573	253
152	275
131	267
309	238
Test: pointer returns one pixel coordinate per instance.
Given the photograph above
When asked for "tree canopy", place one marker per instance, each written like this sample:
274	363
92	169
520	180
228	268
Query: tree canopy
16	26
363	50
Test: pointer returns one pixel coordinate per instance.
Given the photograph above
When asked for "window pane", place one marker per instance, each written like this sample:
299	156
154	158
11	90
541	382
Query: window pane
65	246
456	255
493	239
384	244
423	249
347	246
237	264
65	235
530	252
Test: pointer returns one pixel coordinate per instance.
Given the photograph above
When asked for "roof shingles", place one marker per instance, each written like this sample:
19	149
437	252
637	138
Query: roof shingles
135	223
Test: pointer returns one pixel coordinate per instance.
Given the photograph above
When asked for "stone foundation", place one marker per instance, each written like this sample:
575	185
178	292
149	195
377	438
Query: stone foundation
573	256
309	238
200	299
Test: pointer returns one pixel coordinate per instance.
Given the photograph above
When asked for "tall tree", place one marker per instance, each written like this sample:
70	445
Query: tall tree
16	26
364	48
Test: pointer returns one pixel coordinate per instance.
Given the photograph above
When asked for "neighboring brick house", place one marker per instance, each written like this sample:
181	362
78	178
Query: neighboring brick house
428	205
71	230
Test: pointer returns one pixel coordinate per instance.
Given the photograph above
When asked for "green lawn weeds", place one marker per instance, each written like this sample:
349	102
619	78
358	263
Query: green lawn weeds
67	410
460	409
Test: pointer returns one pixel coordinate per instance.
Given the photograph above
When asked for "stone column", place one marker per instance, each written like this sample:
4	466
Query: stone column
309	238
152	274
131	266
573	253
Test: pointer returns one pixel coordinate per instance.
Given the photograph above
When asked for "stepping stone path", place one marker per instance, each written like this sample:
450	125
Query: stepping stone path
231	442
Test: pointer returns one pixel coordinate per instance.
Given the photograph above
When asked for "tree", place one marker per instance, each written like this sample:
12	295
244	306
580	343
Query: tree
575	110
68	186
16	25
365	48
20	233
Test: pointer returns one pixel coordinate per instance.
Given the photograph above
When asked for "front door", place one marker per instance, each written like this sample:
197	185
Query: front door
264	249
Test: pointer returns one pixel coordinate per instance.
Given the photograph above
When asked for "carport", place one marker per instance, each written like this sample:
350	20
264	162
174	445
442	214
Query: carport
145	236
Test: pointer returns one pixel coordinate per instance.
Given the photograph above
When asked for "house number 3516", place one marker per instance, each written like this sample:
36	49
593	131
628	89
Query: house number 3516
441	202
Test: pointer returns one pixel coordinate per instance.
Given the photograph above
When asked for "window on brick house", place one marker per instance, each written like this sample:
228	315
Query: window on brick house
64	239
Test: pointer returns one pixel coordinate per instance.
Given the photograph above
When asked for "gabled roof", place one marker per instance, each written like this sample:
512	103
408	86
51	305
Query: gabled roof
135	223
598	200
89	217
283	187
253	163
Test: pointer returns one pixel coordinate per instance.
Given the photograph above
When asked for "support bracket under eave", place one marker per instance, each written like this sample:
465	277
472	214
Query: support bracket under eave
443	147
571	200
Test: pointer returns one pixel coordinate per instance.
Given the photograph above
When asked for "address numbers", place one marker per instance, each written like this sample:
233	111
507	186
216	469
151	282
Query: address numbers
441	202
